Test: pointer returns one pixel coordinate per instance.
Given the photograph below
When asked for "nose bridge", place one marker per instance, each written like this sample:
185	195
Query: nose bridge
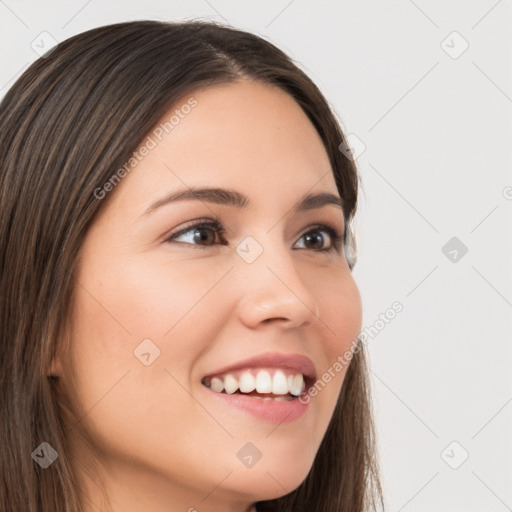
271	287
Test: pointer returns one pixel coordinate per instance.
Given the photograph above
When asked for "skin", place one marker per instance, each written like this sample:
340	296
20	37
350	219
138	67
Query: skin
161	441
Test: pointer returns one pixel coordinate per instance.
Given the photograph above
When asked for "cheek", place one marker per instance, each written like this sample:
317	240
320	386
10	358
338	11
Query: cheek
341	312
341	319
118	398
137	299
116	309
154	297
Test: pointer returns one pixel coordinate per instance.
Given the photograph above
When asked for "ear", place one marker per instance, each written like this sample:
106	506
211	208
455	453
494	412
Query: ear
55	368
60	352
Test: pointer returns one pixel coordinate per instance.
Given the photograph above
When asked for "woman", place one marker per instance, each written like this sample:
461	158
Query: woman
146	366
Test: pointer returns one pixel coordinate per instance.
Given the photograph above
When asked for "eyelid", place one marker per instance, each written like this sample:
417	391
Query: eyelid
209	222
336	235
216	225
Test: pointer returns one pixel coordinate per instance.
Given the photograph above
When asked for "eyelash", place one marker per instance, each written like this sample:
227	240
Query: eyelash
336	236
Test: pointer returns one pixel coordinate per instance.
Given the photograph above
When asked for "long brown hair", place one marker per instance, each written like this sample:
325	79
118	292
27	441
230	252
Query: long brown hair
72	118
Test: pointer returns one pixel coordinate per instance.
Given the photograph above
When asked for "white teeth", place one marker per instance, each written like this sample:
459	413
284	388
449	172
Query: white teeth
230	384
263	382
279	384
296	388
247	382
217	385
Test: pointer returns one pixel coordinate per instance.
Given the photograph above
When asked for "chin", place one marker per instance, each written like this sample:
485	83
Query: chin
270	481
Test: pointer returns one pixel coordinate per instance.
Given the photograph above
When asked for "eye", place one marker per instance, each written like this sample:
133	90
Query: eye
336	237
198	230
204	234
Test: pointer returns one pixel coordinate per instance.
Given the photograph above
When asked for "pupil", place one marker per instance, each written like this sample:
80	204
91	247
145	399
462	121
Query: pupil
318	238
201	237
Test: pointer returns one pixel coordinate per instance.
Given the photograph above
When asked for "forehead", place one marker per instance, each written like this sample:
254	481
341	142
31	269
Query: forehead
245	136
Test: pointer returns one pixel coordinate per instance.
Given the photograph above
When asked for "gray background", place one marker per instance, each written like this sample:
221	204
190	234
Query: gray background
435	125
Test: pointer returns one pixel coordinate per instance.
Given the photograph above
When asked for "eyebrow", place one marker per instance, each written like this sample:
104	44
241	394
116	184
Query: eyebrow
236	199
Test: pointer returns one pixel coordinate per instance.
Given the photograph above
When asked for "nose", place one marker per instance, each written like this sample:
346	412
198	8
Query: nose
273	291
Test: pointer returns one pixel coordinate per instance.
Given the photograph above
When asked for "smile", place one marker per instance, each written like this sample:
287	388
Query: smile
266	384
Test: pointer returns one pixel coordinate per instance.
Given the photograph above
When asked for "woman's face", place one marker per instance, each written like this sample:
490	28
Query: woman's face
155	312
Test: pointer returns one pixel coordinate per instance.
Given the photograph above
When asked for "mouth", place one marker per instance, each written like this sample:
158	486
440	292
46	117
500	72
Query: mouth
272	386
277	384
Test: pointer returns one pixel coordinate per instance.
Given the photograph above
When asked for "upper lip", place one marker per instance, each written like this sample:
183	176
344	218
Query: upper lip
299	363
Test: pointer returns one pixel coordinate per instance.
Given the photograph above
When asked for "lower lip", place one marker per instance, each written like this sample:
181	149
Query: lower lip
268	410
